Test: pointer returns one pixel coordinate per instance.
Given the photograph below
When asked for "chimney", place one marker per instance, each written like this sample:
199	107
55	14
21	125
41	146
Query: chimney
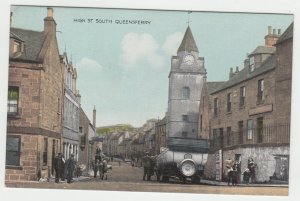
237	69
94	117
269	30
49	22
231	73
11	15
50	12
272	37
279	31
78	97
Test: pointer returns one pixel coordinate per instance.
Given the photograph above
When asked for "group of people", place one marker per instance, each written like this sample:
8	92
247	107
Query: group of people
64	168
234	171
148	164
249	172
100	164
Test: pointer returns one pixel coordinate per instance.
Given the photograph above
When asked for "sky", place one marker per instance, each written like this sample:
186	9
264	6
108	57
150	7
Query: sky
123	68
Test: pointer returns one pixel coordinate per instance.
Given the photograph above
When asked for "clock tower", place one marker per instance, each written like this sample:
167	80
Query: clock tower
185	85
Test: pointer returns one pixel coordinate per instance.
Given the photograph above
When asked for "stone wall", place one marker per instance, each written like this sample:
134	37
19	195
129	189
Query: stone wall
27	77
283	81
251	110
31	151
264	157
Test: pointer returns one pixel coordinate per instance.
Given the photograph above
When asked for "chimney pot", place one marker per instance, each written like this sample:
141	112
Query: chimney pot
274	31
237	69
279	31
231	70
269	29
11	15
49	12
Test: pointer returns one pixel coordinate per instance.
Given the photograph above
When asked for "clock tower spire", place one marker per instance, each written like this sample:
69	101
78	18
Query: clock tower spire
188	43
185	84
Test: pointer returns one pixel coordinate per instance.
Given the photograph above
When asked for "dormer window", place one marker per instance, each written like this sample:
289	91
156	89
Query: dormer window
17	47
251	64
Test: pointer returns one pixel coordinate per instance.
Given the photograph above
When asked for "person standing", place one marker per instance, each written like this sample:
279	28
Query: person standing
96	167
102	168
147	167
58	167
70	166
98	154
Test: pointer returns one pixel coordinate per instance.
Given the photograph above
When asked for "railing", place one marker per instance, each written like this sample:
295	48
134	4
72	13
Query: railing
267	134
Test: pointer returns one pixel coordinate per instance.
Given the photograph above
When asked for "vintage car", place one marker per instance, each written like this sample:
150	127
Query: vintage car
183	158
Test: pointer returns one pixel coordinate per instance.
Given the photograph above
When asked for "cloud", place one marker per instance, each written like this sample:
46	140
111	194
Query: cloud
88	64
137	48
172	43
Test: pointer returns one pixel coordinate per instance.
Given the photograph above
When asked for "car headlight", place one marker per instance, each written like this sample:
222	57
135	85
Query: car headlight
188	168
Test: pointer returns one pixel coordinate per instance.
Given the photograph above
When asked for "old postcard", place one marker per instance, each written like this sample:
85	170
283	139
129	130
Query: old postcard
135	100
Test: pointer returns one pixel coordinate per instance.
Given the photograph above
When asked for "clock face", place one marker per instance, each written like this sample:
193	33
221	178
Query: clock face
189	59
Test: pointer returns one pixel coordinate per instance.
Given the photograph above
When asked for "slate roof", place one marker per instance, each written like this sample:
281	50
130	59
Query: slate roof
288	34
244	74
264	50
212	86
188	43
33	42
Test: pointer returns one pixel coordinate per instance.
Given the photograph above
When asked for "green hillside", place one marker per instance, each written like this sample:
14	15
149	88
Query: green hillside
115	128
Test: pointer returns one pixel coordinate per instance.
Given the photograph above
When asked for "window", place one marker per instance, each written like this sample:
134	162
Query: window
185	118
229	102
242	95
249	129
251	63
241	132
260	91
186	93
228	136
184	134
13	100
221	136
80	129
45	152
13	151
17	47
216	106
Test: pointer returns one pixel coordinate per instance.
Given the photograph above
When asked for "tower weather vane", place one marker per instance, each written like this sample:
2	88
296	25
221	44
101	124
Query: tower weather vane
189	12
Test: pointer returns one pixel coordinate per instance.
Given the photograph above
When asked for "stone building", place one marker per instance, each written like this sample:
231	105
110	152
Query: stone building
160	135
87	132
149	130
185	84
245	113
71	110
35	102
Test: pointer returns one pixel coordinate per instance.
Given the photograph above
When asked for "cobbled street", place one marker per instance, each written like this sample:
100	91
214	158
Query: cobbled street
128	178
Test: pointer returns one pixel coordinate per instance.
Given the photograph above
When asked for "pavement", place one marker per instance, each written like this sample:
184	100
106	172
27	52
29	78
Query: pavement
118	171
220	183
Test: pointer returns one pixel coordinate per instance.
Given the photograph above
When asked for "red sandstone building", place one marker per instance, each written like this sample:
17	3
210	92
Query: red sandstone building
35	102
248	116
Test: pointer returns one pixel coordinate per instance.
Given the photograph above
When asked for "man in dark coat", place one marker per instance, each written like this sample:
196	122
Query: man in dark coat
147	167
98	154
96	167
70	166
251	167
58	167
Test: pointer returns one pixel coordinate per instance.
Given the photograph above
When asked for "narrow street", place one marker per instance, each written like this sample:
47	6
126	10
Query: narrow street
128	178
